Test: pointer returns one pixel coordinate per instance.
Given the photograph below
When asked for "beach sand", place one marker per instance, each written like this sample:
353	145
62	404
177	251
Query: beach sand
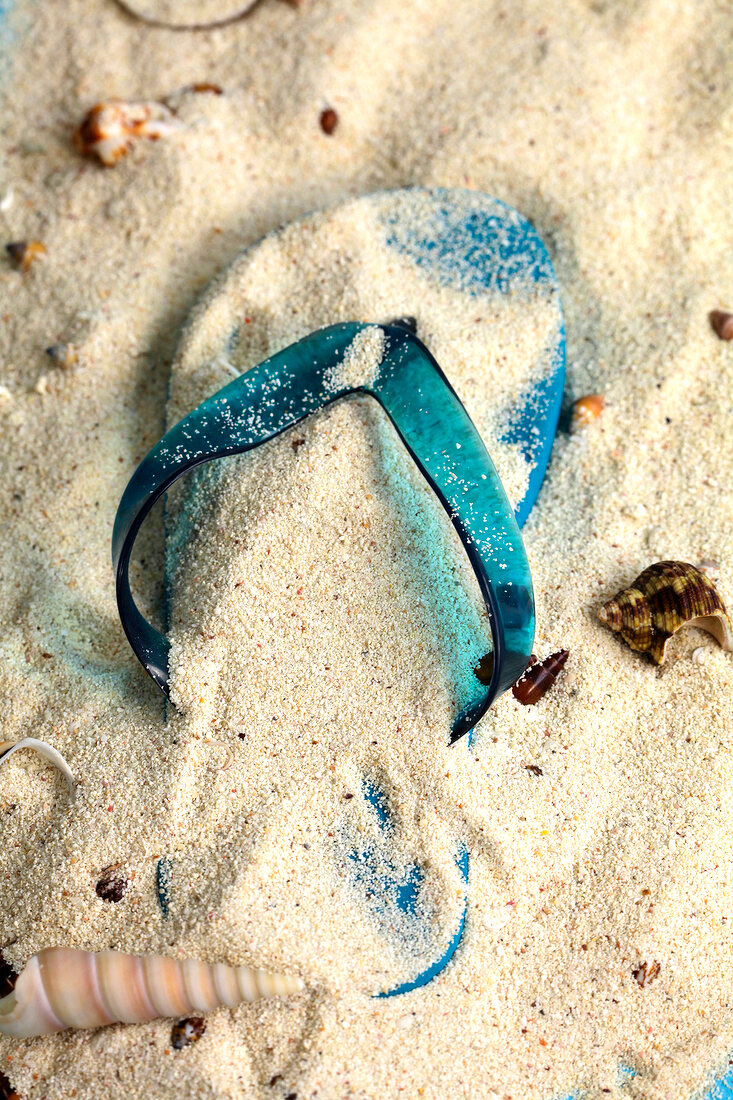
609	126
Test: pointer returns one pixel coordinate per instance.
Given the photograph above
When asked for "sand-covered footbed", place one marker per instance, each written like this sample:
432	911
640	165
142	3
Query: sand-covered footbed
608	126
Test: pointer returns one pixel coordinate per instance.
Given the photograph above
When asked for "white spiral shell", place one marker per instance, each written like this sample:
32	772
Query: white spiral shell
61	988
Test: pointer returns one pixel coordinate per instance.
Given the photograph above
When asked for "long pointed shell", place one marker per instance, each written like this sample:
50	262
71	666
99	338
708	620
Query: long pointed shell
61	988
665	597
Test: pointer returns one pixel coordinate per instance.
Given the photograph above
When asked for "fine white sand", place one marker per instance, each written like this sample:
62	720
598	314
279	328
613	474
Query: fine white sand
608	125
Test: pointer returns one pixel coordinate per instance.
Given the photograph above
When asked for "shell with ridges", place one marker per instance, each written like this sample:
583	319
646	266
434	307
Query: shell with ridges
665	597
62	987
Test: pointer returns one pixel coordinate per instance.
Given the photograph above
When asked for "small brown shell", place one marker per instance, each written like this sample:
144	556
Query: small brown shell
538	677
721	323
328	120
665	597
586	410
111	887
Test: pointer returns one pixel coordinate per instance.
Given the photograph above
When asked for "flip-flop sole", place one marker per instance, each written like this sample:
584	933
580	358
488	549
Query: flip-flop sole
487	264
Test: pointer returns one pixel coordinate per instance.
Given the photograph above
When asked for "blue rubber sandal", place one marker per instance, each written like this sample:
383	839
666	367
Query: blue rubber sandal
477	247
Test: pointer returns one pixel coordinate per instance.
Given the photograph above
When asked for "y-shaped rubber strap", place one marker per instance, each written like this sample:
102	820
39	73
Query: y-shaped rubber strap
433	425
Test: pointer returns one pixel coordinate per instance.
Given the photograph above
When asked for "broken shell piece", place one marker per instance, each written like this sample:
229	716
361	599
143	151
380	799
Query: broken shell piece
64	355
665	597
7	748
187	1031
110	128
721	323
61	988
190	14
23	253
699	655
538	677
646	972
586	410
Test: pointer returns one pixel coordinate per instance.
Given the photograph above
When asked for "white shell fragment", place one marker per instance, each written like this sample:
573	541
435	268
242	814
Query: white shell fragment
62	987
110	129
190	14
7	748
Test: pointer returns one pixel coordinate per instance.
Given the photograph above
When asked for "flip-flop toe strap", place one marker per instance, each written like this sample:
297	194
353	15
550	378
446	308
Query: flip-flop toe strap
433	425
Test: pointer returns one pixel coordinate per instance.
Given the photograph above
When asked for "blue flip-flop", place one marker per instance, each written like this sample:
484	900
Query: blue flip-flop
476	248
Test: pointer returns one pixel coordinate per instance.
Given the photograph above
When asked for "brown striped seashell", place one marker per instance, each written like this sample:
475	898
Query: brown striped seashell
62	987
538	677
665	597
